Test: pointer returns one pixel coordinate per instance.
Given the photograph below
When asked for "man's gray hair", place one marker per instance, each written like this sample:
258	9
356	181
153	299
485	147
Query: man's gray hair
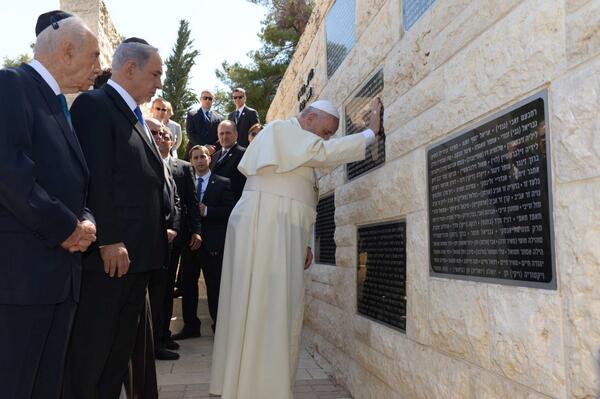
138	52
72	29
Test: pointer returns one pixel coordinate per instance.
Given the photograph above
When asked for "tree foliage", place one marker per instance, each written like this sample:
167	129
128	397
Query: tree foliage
282	28
176	88
15	62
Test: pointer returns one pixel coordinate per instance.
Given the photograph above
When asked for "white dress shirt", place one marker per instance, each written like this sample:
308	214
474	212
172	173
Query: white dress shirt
46	75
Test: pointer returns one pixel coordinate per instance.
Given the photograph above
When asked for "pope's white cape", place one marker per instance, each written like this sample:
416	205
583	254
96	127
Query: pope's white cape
262	287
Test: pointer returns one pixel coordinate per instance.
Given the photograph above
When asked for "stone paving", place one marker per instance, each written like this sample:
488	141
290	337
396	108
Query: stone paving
189	376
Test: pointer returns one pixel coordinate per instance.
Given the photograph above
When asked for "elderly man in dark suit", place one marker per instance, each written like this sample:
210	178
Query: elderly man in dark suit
244	117
44	223
201	124
129	195
226	160
216	203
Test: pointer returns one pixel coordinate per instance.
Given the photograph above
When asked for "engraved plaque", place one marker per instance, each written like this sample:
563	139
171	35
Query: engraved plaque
412	10
341	33
381	275
357	120
325	230
489	203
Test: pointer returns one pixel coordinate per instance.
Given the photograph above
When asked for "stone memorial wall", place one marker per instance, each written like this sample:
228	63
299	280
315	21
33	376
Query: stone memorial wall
492	161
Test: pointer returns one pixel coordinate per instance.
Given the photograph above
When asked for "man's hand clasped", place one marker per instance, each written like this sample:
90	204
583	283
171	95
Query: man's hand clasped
81	238
195	241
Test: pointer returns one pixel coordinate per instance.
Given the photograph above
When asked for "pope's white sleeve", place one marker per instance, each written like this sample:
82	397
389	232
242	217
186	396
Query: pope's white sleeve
338	151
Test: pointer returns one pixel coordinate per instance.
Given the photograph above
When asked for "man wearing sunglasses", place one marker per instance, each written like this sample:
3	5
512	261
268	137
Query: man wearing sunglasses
244	117
202	123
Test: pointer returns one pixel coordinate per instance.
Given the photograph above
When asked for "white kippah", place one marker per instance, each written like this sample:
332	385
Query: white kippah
326	106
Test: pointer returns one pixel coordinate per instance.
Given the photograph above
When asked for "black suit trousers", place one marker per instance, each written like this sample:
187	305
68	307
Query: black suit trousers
171	279
104	332
210	262
158	291
33	345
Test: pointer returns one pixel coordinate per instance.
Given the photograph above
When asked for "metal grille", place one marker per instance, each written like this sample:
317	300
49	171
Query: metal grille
341	33
412	10
325	230
357	120
381	275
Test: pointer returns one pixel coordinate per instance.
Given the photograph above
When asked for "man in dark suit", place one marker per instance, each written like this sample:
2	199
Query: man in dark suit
130	197
244	117
44	223
225	161
216	203
201	124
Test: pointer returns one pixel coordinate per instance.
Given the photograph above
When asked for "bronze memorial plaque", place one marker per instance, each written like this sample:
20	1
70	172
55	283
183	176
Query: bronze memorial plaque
381	275
489	200
325	231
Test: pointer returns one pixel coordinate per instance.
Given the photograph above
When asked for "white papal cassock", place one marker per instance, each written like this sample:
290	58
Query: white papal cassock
261	305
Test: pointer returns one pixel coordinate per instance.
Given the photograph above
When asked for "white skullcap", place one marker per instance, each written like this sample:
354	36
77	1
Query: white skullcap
326	106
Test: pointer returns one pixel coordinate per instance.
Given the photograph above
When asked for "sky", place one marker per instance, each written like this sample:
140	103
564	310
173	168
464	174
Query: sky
221	29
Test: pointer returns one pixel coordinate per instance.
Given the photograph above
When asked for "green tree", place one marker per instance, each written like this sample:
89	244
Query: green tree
282	28
176	88
15	62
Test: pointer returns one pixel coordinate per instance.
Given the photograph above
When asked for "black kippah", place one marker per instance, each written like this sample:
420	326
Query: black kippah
135	40
50	18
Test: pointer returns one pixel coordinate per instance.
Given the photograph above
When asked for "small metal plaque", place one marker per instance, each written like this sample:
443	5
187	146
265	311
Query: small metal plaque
341	33
412	10
490	213
357	120
325	230
381	275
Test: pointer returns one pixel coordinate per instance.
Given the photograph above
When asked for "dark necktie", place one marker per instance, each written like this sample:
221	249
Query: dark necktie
65	109
237	116
207	116
222	157
199	189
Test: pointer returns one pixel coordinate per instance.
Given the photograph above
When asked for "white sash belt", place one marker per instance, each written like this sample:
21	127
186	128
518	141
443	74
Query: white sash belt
284	185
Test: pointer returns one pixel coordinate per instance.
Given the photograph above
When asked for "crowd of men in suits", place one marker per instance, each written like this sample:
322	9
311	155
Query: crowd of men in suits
98	216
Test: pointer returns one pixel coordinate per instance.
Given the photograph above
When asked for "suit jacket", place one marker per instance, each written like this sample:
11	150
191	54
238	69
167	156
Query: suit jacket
199	130
183	174
248	118
218	198
171	195
227	167
127	178
43	186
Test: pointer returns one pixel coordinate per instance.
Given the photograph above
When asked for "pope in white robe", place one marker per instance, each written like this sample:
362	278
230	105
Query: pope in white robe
261	297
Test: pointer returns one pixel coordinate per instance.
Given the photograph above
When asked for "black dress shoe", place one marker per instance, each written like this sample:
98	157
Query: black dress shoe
176	293
170	344
163	354
185	334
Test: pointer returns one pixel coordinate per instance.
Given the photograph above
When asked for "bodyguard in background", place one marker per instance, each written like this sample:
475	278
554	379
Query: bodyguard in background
44	223
201	124
130	200
244	117
226	160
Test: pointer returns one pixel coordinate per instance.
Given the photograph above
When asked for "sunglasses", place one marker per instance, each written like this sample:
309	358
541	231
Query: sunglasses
238	97
207	98
155	132
160	109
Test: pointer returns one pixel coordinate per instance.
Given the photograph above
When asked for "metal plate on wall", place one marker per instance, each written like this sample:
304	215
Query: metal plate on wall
490	213
341	33
357	119
325	230
381	275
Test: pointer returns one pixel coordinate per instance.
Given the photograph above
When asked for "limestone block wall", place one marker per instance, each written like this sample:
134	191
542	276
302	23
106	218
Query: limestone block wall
461	62
95	14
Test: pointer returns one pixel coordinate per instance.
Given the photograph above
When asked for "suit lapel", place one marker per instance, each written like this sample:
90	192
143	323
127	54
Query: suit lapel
57	112
124	108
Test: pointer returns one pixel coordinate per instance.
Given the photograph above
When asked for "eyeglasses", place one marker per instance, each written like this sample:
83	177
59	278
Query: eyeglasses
238	97
207	98
160	109
155	132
